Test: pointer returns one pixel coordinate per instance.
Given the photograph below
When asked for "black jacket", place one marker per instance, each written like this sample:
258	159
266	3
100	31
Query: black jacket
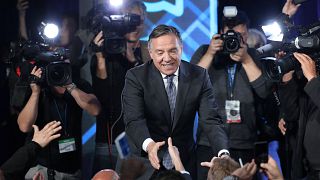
298	102
244	134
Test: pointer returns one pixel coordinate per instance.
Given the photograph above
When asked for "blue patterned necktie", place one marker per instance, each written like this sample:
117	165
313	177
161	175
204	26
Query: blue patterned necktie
171	93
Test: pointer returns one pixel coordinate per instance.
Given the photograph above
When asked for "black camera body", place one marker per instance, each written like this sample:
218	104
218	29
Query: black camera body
114	27
231	41
55	71
308	42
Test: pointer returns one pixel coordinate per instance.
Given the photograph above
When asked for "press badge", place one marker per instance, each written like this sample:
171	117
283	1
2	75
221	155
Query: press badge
67	145
233	111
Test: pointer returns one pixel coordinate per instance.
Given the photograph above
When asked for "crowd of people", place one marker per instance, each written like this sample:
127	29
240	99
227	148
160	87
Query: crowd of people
149	92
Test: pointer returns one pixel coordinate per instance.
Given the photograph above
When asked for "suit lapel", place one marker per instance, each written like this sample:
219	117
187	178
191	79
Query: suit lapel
158	86
183	88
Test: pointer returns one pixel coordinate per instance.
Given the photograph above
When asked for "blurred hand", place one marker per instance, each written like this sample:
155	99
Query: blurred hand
22	7
279	55
271	169
36	72
47	134
98	44
152	150
281	126
290	8
38	176
130	51
216	44
308	65
175	156
208	164
246	172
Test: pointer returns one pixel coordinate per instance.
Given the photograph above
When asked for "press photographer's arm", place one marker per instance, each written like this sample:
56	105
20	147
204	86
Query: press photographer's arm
87	102
29	113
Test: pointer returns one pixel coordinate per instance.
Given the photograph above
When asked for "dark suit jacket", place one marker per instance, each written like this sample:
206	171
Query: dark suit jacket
147	112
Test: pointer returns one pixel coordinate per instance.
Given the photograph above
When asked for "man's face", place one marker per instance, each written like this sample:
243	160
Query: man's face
241	28
136	34
166	53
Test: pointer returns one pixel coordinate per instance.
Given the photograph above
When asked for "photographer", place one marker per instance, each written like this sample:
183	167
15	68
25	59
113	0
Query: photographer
61	158
238	82
108	76
300	100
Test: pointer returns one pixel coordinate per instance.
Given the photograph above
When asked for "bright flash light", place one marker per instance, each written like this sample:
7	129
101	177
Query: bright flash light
116	3
51	31
273	32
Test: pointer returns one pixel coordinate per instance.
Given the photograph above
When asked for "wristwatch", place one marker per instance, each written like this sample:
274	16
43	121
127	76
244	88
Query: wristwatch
71	87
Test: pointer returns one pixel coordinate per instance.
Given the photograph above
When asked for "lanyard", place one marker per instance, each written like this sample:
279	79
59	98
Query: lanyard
64	120
231	79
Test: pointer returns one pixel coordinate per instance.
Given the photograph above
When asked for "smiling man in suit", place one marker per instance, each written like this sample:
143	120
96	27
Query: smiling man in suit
160	100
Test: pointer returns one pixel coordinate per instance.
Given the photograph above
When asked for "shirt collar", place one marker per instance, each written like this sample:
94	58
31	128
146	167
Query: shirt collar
175	73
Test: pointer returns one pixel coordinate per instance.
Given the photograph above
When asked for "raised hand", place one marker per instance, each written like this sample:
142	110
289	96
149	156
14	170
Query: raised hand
46	134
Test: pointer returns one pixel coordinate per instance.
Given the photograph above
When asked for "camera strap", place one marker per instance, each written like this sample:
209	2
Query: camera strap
64	121
232	106
231	74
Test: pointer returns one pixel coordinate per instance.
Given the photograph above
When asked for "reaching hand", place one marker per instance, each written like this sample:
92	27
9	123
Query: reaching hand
152	150
290	8
208	164
281	126
22	7
38	176
47	134
175	156
308	65
271	169
246	172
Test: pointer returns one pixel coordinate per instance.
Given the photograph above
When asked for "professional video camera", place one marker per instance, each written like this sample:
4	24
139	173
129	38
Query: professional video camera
114	27
305	40
231	41
55	71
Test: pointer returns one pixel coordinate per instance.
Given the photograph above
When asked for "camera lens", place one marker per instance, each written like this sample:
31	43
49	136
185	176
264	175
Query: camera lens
231	44
57	73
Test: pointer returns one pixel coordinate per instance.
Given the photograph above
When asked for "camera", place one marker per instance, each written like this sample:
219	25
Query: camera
114	27
307	41
55	71
231	41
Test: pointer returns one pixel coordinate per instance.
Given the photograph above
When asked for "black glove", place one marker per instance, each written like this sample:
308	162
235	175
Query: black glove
95	48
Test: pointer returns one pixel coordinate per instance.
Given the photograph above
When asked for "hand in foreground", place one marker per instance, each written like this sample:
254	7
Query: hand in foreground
271	169
175	156
152	150
246	172
47	134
